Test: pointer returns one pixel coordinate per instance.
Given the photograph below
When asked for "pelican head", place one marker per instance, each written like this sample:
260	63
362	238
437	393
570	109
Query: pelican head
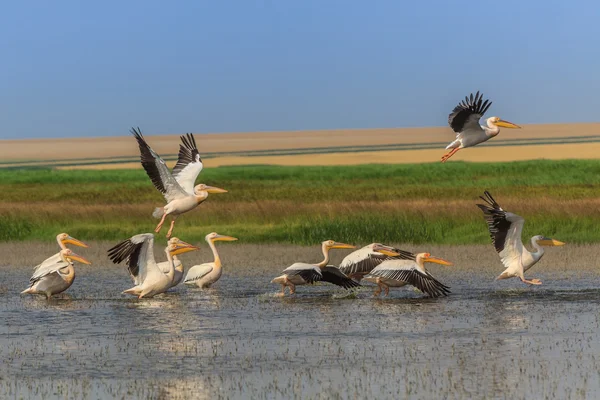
383	249
332	244
177	246
201	189
496	121
426	257
214	236
544	241
69	256
65	239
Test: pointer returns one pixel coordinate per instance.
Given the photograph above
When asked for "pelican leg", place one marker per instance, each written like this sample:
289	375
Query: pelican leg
171	229
386	288
531	281
446	156
377	291
160	224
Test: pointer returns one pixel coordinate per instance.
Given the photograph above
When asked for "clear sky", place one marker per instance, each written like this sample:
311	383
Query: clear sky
96	68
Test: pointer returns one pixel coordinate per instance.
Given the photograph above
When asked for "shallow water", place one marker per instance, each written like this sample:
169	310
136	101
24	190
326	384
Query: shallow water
486	340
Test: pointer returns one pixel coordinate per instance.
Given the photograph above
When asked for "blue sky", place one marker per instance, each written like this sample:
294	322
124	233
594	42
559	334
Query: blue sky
82	68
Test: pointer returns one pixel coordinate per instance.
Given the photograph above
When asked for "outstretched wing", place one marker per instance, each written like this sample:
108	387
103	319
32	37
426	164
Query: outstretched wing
505	230
138	252
408	271
467	113
365	259
197	272
189	163
308	272
333	275
157	170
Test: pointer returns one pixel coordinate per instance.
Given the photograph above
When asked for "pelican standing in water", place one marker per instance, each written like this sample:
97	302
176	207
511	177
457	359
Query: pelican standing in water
150	279
303	273
464	120
55	275
360	262
401	272
177	187
204	275
505	230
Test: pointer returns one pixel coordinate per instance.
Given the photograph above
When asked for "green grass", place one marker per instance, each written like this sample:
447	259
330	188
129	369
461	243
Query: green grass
305	205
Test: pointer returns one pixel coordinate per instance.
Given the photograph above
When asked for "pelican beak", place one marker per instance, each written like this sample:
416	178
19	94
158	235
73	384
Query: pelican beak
77	257
387	250
75	242
337	245
437	261
550	242
212	189
183	247
506	124
225	238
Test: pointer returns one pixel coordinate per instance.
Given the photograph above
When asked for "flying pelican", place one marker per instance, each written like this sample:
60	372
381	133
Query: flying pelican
303	273
139	252
64	238
360	262
55	275
464	120
400	272
177	187
505	230
204	275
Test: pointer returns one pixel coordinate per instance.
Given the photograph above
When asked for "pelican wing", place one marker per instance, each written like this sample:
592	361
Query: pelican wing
310	273
408	271
333	275
198	272
466	115
189	163
505	230
365	259
157	170
138	252
47	267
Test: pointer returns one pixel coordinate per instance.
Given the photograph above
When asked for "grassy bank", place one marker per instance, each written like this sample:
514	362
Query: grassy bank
425	203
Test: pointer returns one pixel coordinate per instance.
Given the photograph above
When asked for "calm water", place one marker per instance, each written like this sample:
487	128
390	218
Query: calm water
486	340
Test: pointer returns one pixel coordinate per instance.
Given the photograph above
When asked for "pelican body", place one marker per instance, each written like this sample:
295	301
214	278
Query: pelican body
401	272
138	251
362	261
55	275
505	230
464	121
177	187
204	275
303	273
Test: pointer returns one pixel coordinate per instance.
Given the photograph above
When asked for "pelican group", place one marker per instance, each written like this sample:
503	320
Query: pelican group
505	230
177	187
464	120
204	275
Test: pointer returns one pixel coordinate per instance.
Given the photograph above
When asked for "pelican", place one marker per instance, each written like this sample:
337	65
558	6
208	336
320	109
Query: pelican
150	279
303	273
177	187
55	275
64	238
464	120
410	271
360	262
204	275
505	230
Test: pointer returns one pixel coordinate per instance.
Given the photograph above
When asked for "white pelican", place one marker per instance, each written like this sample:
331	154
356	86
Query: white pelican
464	120
360	262
55	275
150	279
303	273
400	272
204	275
64	238
177	187
505	230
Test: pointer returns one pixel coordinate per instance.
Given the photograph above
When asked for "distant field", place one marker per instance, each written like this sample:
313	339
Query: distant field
408	203
335	147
